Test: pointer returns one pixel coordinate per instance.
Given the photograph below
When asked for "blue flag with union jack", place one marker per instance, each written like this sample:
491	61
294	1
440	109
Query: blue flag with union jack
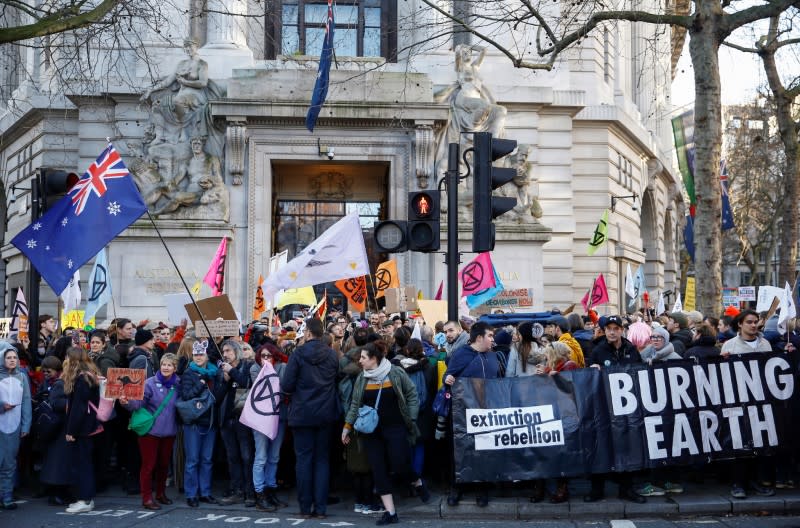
103	203
323	75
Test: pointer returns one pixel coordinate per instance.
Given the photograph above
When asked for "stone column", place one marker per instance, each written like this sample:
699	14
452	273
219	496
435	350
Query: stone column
226	38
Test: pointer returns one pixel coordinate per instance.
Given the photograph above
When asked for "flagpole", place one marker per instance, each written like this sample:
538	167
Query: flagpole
372	286
180	275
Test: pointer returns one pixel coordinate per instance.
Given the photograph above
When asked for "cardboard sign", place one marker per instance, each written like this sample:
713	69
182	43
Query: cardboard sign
74	319
433	311
765	296
125	382
213	308
747	293
517	300
401	299
5	327
689	299
23	327
175	303
218	328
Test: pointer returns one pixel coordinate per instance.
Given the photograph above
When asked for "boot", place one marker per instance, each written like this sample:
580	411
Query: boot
262	504
561	494
272	498
249	499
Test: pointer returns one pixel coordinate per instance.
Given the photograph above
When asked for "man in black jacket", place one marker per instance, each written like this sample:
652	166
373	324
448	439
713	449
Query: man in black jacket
310	381
610	351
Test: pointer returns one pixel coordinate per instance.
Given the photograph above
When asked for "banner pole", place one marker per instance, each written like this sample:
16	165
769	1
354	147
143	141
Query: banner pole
180	275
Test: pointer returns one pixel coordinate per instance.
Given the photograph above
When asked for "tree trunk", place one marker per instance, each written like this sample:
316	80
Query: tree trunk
704	46
786	126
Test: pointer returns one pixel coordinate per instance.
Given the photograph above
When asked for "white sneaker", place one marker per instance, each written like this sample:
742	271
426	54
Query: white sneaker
81	507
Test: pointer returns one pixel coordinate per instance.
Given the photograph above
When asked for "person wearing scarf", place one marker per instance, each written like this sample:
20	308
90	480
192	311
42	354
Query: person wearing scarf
397	429
198	436
156	446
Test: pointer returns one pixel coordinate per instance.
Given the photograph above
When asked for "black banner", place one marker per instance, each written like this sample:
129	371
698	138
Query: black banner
623	418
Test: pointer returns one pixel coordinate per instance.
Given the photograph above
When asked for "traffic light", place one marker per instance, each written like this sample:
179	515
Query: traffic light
423	221
55	183
390	236
485	206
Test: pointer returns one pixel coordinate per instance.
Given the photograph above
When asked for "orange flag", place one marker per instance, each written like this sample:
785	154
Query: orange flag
386	277
259	306
355	290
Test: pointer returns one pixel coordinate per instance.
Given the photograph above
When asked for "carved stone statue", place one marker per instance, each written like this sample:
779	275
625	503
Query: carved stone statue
528	209
176	176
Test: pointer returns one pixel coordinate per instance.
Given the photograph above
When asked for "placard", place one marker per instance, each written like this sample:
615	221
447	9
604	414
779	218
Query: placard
765	296
747	293
176	313
125	382
433	311
218	328
5	327
74	319
516	300
730	297
212	308
401	299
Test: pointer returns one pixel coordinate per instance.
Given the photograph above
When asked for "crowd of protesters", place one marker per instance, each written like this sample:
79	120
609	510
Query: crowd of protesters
56	435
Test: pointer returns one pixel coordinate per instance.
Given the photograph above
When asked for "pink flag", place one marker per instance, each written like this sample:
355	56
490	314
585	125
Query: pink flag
439	292
599	294
263	406
477	275
215	276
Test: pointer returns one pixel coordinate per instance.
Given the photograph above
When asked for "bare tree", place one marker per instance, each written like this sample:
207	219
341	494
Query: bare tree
49	18
533	34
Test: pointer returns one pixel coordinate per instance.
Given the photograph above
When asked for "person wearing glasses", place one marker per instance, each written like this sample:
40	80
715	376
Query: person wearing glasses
659	349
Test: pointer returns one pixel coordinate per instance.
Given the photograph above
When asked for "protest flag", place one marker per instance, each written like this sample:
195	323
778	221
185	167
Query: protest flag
630	289
99	286
438	296
304	296
600	235
215	276
661	307
727	211
688	236
386	276
678	306
259	306
323	75
71	296
338	253
477	275
321	309
788	308
683	134
19	315
196	288
599	294
261	410
103	203
355	289
481	297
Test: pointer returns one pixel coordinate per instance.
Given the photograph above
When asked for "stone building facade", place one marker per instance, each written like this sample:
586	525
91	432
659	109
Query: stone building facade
593	128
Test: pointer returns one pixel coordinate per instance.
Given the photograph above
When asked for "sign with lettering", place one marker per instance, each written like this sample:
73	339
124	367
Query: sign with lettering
730	297
747	293
641	417
74	319
517	300
218	328
5	327
125	382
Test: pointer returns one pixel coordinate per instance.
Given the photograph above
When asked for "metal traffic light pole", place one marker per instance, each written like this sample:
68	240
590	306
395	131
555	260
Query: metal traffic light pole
453	257
34	279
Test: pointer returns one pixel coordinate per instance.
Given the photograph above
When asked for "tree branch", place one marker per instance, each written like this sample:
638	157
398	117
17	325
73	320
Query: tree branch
57	23
732	21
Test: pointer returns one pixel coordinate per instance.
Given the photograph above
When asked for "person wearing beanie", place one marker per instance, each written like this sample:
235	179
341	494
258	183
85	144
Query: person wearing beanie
502	347
141	357
660	348
680	334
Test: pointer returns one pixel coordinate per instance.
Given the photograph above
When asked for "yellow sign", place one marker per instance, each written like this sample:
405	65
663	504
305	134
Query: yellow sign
74	319
688	300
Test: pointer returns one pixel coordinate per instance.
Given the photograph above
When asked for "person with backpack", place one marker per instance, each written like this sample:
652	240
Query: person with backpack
49	433
423	374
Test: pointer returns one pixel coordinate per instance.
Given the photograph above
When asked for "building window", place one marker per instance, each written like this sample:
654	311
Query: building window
364	28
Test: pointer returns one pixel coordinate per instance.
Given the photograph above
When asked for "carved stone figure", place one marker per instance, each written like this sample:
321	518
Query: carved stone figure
528	208
176	176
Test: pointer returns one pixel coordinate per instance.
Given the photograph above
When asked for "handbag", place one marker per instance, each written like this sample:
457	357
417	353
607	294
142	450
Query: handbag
443	401
367	419
104	409
142	420
191	410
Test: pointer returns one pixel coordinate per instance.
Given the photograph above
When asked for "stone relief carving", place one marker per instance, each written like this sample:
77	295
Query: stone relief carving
424	143
236	135
474	109
178	163
330	186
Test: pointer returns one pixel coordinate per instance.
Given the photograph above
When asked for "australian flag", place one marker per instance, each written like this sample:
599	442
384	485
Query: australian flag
323	75
103	203
727	212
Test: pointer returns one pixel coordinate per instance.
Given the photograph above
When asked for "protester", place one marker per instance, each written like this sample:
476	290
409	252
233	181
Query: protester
557	327
310	379
526	354
199	434
143	354
704	345
15	419
47	336
679	333
81	385
55	474
748	339
156	446
455	336
659	349
396	429
422	373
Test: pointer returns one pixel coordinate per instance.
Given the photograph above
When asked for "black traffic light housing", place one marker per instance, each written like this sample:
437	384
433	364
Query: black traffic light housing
423	221
390	236
55	183
485	206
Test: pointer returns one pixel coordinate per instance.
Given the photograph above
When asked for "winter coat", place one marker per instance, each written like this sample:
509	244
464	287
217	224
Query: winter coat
576	352
737	346
108	359
238	378
280	369
467	362
54	471
584	339
18	418
310	381
461	340
667	353
681	340
81	418
191	386
704	347
514	368
140	358
407	400
426	420
166	423
605	355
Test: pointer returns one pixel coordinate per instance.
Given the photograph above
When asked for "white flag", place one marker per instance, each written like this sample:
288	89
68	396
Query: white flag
338	253
19	314
661	307
72	293
630	289
417	333
99	286
678	306
788	308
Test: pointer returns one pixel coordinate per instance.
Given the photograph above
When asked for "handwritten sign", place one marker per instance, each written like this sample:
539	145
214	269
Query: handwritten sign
125	382
747	293
519	299
218	328
765	296
5	327
74	319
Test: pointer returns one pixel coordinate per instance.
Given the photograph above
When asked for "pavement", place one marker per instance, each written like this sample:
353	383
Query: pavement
506	504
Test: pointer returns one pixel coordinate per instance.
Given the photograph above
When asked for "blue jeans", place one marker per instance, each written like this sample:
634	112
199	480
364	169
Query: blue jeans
198	444
238	442
312	468
265	463
9	447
